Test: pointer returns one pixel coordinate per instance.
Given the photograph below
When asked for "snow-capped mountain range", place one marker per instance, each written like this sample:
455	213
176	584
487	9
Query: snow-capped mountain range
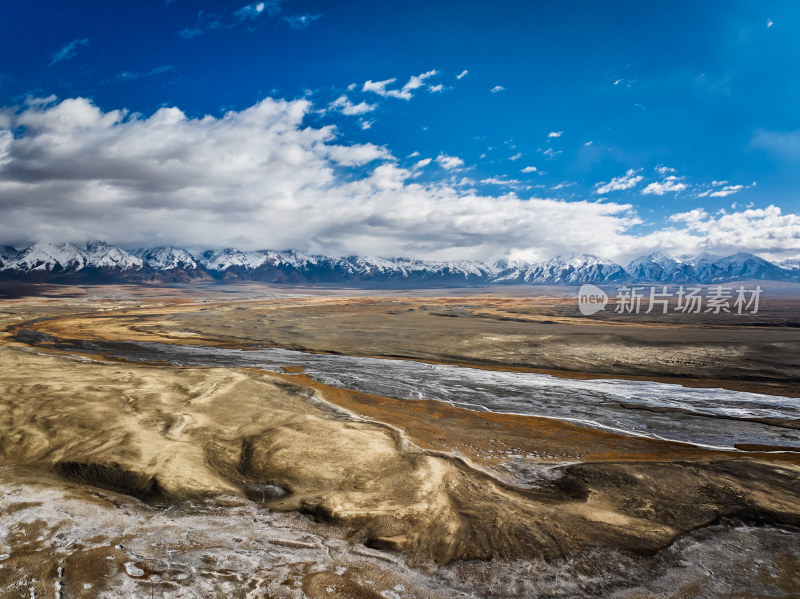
101	262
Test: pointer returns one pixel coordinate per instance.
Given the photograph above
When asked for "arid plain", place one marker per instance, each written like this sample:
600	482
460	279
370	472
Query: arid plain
125	478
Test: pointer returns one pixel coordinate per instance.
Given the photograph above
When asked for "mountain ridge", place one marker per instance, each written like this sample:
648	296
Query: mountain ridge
101	262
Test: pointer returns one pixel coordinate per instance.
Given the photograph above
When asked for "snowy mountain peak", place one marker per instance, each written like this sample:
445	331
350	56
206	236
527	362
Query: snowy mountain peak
660	268
101	255
167	258
790	264
170	263
51	257
8	253
702	258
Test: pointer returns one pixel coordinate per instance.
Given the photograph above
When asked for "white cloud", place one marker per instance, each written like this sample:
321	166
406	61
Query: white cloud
413	154
500	181
553	134
300	21
449	162
770	23
691	218
551	153
345	106
516	156
435	88
462	74
763	230
417	81
422	163
74	172
251	11
529	169
721	193
664	170
405	93
669	184
627	181
588	143
247	14
366	123
357	155
497	88
378	87
69	50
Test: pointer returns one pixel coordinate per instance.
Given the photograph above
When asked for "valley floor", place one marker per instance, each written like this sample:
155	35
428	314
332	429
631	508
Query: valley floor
122	479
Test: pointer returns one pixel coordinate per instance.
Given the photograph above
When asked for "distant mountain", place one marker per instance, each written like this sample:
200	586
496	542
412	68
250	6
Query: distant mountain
705	267
657	267
576	269
174	265
51	258
793	264
7	255
108	257
100	262
742	266
168	258
294	267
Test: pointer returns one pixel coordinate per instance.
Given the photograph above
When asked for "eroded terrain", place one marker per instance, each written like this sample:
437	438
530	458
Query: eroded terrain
150	478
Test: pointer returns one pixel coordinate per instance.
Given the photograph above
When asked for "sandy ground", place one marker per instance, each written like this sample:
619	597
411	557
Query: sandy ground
753	352
141	478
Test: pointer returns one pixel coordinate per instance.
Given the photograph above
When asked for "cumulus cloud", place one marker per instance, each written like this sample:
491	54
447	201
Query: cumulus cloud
69	50
529	169
669	184
555	134
260	177
404	93
345	106
765	231
462	74
357	155
263	177
627	181
496	89
449	162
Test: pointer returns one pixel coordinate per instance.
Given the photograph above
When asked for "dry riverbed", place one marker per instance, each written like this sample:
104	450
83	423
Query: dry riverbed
124	479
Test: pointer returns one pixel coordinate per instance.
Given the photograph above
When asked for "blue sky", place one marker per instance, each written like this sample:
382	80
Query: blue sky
680	117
